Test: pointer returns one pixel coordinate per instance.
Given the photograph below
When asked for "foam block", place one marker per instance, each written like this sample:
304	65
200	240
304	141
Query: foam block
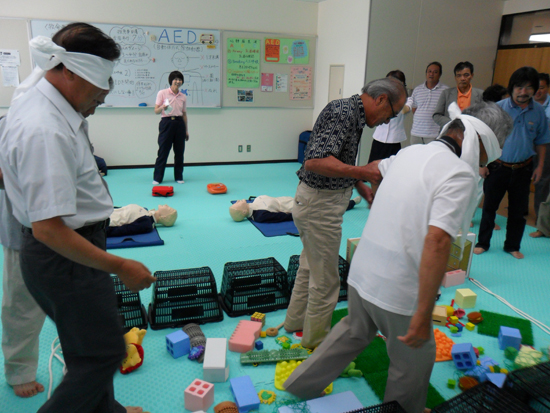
509	337
245	394
497	379
245	335
452	278
464	356
465	298
334	403
177	344
199	395
215	368
439	315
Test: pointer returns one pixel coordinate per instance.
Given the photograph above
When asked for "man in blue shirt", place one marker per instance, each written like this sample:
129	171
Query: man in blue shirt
514	170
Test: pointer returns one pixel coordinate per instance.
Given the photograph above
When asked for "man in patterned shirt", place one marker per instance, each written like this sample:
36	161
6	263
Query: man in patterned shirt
327	178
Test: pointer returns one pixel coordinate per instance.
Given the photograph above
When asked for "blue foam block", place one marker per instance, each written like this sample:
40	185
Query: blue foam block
245	394
177	344
333	403
497	379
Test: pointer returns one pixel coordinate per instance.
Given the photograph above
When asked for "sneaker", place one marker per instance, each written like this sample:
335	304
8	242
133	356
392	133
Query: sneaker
156	183
180	182
357	199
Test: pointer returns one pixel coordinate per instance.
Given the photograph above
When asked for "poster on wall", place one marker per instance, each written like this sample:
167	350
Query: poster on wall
243	63
245	95
281	82
267	82
300	83
286	51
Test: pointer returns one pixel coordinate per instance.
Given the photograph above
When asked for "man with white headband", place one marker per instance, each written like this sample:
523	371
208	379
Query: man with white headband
402	255
57	194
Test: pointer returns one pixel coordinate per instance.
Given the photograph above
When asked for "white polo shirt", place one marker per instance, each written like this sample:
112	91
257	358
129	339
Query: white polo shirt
393	132
49	170
423	185
425	101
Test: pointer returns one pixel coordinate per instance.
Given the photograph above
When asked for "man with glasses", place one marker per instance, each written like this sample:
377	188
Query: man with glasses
464	94
514	170
327	178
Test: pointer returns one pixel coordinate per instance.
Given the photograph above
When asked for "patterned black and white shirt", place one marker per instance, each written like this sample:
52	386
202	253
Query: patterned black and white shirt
337	132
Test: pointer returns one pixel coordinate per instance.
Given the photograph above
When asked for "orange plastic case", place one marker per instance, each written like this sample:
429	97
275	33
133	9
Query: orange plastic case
216	188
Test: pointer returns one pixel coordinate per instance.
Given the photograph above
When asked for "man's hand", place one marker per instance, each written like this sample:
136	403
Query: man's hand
370	172
537	174
484	172
365	192
135	275
420	330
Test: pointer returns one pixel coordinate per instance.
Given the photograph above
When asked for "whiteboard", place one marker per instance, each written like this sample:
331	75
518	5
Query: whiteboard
149	54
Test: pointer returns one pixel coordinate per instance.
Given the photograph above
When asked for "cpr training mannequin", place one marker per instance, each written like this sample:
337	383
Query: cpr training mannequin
133	219
269	209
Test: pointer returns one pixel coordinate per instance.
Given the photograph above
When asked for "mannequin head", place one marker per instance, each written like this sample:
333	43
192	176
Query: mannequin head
165	215
239	210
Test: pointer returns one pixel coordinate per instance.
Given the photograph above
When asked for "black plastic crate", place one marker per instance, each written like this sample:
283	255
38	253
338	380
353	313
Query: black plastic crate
184	296
130	310
485	397
531	385
389	407
343	270
256	285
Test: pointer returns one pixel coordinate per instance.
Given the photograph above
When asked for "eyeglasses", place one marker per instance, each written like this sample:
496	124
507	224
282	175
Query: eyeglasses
394	115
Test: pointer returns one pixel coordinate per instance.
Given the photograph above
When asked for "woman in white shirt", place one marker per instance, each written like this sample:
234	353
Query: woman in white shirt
387	138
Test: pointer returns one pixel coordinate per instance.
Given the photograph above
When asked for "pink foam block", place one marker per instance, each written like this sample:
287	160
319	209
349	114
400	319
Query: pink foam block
453	278
244	336
199	395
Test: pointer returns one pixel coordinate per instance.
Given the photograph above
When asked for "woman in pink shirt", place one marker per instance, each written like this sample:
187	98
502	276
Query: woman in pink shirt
171	104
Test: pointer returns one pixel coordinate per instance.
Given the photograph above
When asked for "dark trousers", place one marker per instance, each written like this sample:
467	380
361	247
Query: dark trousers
82	303
516	182
381	150
171	134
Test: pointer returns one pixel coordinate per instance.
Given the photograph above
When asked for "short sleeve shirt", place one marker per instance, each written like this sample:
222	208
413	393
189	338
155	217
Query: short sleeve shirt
47	161
337	133
530	129
385	266
425	101
178	102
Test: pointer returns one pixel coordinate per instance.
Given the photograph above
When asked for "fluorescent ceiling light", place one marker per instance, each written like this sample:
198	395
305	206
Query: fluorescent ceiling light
544	37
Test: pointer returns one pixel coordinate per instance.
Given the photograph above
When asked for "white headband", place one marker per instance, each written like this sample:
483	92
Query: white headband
470	153
48	55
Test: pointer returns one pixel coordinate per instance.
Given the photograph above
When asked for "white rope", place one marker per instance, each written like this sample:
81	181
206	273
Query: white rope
57	356
540	325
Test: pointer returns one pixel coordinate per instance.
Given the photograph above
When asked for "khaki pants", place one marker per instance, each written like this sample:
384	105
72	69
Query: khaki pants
318	215
410	369
22	321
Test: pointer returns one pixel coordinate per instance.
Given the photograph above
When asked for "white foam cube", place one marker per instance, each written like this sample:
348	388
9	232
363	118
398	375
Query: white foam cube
215	368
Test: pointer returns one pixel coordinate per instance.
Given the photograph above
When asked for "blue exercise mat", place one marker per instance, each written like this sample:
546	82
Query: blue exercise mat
131	241
274	229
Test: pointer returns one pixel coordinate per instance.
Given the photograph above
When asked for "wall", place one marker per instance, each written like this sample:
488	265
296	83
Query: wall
409	35
128	136
342	39
522	6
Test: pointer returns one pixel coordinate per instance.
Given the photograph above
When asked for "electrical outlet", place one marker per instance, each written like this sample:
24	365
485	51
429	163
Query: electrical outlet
240	148
249	148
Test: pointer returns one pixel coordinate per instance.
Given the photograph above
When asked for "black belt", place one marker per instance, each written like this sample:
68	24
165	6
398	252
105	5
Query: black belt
180	118
516	165
85	231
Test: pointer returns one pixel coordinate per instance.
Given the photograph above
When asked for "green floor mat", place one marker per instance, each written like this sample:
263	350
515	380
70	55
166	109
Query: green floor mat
374	363
491	323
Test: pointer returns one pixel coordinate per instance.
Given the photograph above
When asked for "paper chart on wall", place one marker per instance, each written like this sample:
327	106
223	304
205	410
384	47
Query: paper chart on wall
243	62
300	83
286	51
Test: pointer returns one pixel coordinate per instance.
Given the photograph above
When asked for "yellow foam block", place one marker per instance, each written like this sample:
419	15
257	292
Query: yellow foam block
439	315
284	369
465	298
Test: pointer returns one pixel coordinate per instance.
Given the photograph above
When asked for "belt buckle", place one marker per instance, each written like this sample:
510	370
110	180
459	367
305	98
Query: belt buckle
173	118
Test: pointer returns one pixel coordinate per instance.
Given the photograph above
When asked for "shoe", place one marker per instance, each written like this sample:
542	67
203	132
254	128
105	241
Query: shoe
156	183
180	182
357	199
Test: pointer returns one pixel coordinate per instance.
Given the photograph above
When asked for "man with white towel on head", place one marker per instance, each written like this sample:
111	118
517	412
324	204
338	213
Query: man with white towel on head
401	258
63	203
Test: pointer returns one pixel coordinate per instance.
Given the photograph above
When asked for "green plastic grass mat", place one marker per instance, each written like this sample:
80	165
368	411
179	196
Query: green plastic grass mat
374	363
491	323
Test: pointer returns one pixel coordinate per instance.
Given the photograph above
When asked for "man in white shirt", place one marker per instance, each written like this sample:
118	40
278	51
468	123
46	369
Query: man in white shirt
425	98
401	257
63	203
